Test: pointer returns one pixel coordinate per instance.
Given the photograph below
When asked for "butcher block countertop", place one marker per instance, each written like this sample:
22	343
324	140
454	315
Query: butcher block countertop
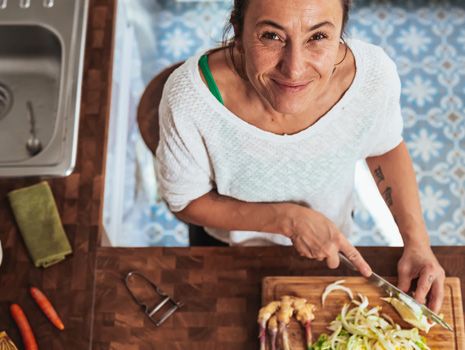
220	287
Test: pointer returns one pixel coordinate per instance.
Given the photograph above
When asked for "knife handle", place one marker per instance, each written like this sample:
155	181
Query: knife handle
347	262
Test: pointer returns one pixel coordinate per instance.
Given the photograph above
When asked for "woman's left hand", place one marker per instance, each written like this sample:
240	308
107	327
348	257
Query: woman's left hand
418	261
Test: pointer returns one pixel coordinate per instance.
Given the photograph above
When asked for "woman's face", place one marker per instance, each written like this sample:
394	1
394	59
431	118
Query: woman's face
290	48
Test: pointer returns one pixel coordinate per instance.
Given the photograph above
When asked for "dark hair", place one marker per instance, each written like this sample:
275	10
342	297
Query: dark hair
236	22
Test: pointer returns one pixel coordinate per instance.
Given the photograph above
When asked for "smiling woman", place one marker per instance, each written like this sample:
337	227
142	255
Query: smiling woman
259	138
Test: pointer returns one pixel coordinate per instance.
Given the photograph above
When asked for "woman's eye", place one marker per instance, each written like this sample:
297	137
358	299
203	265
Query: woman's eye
318	36
270	36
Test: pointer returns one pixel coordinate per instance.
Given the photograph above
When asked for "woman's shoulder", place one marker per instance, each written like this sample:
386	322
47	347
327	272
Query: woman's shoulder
188	77
220	64
185	98
375	62
181	79
228	81
183	93
370	50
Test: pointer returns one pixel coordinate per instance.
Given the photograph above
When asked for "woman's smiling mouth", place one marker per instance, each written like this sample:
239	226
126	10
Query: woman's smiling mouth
291	86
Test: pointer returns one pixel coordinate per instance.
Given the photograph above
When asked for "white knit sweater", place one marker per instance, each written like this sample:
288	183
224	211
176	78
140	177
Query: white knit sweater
204	146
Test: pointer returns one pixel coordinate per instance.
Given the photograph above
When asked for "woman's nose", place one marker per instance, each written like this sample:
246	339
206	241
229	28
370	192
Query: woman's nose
293	65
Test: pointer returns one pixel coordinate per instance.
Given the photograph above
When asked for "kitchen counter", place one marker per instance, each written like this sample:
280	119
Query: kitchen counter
220	286
221	289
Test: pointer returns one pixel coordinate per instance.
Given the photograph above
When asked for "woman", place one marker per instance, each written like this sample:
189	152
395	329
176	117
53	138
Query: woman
259	139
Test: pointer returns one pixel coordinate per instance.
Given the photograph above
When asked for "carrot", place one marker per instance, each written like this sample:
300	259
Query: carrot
46	307
21	321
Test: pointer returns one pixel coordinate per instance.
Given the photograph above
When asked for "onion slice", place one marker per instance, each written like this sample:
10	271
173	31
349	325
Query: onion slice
336	286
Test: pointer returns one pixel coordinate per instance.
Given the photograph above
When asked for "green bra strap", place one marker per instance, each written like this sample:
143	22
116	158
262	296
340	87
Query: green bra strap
203	63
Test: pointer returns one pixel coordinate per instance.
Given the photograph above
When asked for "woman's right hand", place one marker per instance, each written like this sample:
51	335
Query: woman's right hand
316	237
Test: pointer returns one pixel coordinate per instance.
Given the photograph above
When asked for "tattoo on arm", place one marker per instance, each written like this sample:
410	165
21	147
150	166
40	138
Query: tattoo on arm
379	175
387	195
387	192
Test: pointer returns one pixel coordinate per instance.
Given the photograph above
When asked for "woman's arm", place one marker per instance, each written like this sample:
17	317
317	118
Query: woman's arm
217	211
395	178
312	234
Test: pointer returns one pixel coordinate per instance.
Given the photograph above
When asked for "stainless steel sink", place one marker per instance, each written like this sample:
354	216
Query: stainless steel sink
41	60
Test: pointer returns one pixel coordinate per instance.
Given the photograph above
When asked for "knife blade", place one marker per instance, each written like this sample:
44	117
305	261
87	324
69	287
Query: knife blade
393	291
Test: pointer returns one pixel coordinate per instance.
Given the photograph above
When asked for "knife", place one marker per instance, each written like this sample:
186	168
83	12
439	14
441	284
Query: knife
393	291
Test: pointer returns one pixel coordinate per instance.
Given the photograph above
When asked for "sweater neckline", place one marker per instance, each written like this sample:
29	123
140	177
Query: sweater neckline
256	131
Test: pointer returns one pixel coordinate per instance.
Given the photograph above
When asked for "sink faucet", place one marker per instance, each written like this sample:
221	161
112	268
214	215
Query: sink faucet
33	145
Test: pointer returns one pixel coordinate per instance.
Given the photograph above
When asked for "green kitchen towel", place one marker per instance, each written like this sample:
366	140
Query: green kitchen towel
39	222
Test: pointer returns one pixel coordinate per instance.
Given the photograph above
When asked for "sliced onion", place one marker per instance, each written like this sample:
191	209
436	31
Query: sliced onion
360	326
336	286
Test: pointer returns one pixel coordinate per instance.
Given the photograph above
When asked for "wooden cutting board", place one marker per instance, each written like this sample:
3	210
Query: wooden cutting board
312	289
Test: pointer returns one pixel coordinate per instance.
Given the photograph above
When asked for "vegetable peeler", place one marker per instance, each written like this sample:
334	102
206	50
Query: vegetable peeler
152	312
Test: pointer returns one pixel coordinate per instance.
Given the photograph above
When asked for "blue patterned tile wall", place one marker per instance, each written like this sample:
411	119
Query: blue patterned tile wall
427	41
